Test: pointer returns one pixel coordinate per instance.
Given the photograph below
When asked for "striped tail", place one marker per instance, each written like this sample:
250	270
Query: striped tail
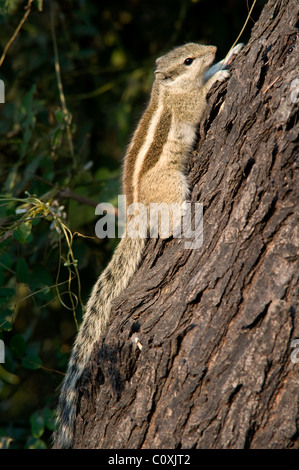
110	284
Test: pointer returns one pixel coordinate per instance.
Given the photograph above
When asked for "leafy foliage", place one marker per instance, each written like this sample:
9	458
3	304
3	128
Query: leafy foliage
76	77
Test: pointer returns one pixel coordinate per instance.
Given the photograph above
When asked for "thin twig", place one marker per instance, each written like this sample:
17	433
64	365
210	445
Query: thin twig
271	84
67	115
83	236
7	234
248	9
242	30
28	9
50	370
67	194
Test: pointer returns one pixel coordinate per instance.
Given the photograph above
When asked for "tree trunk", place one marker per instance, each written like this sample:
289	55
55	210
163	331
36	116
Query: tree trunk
198	353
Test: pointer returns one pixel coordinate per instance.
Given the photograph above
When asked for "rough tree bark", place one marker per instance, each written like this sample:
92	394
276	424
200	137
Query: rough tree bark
216	323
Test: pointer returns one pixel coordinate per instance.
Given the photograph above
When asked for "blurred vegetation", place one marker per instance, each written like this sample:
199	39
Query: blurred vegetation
77	77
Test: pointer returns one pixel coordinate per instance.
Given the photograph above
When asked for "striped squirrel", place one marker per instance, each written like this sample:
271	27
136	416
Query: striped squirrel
153	172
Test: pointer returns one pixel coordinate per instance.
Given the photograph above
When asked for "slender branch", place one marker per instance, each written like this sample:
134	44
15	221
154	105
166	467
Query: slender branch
242	30
67	194
7	235
67	115
28	9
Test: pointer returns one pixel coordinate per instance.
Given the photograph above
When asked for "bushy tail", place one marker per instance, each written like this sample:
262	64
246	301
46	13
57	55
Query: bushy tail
110	284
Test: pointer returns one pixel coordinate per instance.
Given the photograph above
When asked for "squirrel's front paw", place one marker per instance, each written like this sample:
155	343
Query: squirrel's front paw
227	62
221	76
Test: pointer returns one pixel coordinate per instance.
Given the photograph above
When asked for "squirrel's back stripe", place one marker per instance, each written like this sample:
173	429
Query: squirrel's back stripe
136	144
155	150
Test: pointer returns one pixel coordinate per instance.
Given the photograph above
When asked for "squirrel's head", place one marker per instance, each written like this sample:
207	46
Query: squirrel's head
183	68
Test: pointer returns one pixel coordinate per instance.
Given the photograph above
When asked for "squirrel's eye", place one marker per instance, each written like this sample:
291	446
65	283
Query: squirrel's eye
188	61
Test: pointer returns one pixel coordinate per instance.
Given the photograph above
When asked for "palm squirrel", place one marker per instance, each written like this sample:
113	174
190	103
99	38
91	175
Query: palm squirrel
153	172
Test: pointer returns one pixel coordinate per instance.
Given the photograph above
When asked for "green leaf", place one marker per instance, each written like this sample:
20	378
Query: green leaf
39	4
31	361
6	260
118	58
49	417
18	346
27	101
31	168
40	277
23	233
22	271
59	115
29	121
37	424
6	320
35	444
6	294
56	137
8	377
